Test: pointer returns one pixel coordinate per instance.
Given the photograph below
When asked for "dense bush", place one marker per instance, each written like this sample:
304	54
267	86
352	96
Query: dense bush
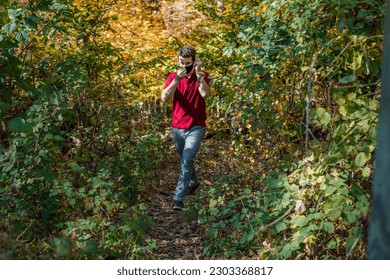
301	93
295	92
72	160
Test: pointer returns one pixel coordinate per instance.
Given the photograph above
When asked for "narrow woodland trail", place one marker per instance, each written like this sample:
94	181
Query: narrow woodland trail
178	234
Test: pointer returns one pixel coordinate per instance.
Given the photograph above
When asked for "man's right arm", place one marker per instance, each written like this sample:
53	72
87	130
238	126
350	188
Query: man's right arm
169	91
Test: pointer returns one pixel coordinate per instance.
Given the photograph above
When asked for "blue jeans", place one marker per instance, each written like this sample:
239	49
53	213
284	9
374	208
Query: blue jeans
187	143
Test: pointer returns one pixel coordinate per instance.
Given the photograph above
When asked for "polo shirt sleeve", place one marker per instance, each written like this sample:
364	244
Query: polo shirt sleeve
169	79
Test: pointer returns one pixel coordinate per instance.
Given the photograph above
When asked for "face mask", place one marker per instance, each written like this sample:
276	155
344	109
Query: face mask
189	68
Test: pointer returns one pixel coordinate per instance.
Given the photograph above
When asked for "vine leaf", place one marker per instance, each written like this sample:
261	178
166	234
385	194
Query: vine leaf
20	125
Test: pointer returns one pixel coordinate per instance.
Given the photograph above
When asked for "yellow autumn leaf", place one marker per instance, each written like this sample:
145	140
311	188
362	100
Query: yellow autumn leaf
213	203
207	183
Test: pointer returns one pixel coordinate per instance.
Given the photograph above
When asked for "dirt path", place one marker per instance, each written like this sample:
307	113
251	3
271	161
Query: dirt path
178	234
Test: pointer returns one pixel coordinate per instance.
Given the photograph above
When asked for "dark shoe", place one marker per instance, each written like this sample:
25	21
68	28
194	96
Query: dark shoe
192	190
178	205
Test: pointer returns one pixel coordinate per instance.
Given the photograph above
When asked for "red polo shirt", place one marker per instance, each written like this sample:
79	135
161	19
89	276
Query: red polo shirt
188	106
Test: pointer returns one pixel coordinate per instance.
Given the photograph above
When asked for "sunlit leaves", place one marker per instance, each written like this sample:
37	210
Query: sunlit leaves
366	172
9	27
22	36
58	6
329	227
14	14
361	159
321	116
22	22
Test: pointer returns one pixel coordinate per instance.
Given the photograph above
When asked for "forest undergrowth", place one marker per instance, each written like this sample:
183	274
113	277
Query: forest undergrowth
87	164
181	235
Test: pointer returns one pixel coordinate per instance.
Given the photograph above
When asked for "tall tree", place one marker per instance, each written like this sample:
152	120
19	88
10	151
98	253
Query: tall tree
379	232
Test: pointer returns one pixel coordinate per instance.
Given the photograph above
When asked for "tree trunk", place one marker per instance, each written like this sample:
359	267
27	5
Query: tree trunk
379	228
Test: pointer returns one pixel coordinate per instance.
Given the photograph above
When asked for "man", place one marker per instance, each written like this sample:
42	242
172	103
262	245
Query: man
187	88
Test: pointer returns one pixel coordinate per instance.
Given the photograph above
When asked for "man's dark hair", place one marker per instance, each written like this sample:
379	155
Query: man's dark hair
187	51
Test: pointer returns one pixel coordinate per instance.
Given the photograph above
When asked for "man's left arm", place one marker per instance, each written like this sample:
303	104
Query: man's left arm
204	88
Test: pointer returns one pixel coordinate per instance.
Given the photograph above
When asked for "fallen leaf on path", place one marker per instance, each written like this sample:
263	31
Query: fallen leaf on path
207	182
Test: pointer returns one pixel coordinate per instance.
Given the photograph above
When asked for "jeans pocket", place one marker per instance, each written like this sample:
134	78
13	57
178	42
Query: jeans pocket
199	131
